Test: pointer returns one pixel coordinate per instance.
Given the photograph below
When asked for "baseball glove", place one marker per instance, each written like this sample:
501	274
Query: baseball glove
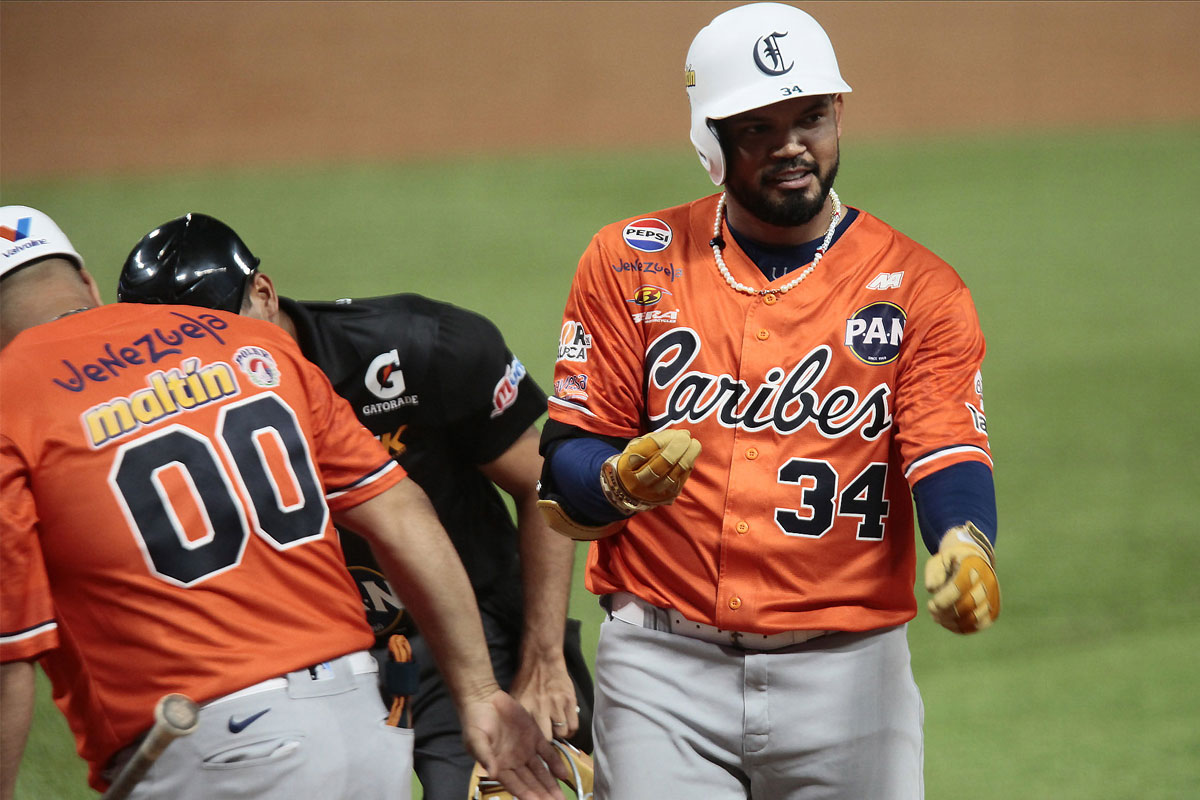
578	763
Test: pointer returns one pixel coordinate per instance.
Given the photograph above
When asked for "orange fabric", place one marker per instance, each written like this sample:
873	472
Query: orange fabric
108	417
822	401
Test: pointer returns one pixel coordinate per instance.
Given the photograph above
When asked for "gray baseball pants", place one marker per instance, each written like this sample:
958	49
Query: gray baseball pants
838	717
314	733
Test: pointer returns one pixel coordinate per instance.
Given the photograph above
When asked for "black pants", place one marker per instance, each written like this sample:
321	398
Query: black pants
441	763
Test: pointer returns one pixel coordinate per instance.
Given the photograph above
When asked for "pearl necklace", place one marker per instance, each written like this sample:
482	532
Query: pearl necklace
717	243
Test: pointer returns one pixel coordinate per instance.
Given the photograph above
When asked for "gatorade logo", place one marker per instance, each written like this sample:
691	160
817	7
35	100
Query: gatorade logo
649	235
384	378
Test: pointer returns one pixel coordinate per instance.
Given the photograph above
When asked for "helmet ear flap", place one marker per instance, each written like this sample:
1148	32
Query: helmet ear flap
708	148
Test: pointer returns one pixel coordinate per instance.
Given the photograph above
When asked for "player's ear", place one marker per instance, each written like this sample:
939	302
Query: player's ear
261	301
837	113
92	287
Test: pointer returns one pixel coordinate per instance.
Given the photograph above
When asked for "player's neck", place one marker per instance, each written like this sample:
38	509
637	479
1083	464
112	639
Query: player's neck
750	226
284	321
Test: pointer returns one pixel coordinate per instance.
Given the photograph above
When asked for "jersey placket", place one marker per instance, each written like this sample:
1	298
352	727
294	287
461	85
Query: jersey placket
751	483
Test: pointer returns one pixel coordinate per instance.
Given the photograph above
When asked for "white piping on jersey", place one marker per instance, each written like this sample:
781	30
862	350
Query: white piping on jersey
45	627
949	451
572	406
365	481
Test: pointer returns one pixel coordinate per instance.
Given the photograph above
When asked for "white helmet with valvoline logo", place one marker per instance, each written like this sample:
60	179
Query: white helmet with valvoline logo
750	57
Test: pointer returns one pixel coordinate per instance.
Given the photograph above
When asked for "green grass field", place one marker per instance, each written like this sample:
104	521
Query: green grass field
1080	249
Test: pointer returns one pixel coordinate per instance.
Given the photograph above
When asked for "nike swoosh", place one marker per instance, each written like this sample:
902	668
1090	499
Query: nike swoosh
239	725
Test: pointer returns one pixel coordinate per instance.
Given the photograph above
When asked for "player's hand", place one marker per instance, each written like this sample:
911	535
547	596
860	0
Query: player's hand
962	578
650	471
543	686
504	739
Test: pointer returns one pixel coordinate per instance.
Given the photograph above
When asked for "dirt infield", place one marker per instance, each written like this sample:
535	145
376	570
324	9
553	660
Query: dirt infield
107	87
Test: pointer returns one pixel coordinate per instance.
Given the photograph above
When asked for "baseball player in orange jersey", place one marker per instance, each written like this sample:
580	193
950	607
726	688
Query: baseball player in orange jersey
751	389
169	479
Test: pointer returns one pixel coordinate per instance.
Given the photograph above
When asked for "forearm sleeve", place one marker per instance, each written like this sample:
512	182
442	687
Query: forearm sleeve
952	496
574	471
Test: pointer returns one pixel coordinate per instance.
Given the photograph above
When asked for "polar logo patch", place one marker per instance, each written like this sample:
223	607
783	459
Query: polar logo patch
648	234
259	366
874	333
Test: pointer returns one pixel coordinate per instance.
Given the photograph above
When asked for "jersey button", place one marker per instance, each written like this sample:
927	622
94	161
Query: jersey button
770	299
764	334
751	453
742	526
735	602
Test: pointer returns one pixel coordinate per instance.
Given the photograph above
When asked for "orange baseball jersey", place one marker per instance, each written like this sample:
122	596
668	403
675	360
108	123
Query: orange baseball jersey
817	410
167	476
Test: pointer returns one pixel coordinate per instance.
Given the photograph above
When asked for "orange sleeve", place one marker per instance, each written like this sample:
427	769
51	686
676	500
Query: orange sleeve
597	377
939	401
27	623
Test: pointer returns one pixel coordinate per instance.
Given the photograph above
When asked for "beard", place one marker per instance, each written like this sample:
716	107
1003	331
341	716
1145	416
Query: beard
790	208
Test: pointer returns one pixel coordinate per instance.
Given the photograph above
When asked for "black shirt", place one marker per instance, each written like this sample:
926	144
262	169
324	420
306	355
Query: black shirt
438	386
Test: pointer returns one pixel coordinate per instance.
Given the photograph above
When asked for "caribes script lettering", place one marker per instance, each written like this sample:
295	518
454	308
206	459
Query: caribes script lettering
786	400
150	348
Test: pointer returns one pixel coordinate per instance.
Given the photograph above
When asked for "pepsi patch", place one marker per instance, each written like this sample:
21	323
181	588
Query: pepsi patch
648	234
875	331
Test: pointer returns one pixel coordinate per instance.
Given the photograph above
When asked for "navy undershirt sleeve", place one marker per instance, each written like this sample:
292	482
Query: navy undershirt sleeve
575	465
952	496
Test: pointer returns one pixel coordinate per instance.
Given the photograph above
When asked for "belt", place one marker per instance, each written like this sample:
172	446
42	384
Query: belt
359	663
629	608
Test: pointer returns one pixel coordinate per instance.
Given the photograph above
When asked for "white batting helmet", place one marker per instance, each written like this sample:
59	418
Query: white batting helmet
27	234
750	57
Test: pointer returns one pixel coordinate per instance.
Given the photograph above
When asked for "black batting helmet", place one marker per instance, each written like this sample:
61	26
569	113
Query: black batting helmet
195	260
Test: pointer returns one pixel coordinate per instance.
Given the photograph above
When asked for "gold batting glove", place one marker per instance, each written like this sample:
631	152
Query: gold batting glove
962	578
650	471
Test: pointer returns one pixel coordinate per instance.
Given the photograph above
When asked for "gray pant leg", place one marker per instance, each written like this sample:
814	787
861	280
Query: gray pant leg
272	746
667	722
836	718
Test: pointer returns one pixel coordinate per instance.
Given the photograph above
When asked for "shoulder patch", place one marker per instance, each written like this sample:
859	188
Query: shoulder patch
874	332
649	234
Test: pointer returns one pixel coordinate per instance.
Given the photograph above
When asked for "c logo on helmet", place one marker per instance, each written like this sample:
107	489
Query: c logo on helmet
384	378
769	46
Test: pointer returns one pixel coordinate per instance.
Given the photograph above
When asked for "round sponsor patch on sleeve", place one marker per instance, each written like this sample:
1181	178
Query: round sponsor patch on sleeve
650	235
875	331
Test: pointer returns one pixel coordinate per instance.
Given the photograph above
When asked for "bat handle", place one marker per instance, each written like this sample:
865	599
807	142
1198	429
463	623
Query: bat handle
175	715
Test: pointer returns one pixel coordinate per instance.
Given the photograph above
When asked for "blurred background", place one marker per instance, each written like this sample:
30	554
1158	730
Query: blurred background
468	151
